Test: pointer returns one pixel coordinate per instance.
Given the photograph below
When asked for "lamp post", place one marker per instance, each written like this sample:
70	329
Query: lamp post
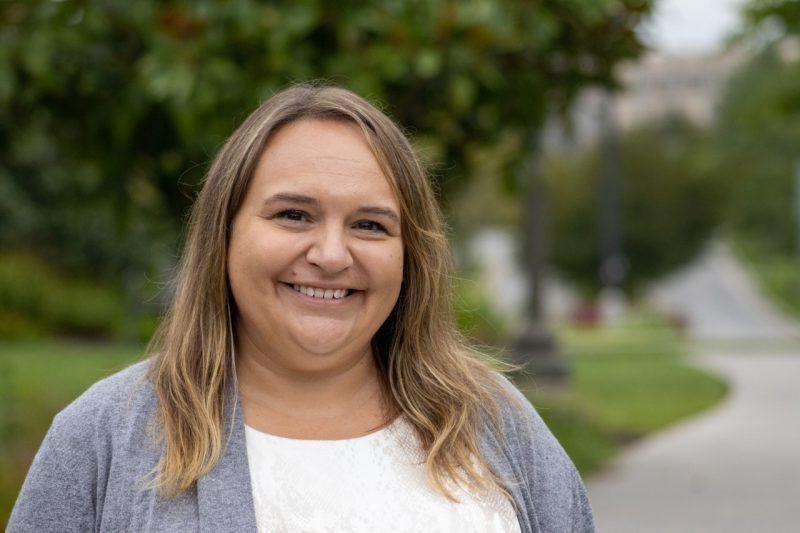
535	348
613	266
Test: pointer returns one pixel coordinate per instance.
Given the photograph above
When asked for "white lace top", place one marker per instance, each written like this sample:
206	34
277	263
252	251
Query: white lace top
372	483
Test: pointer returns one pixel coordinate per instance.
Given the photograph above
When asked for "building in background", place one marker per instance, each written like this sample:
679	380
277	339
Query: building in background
652	88
658	86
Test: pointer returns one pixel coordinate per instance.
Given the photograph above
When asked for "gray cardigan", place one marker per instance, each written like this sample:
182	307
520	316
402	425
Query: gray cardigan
86	475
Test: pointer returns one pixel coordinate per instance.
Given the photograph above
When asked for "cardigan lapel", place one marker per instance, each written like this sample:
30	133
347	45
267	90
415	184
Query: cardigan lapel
224	495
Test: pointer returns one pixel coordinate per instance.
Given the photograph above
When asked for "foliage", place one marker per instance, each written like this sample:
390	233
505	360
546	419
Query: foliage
757	136
480	203
110	110
778	276
670	203
35	299
784	12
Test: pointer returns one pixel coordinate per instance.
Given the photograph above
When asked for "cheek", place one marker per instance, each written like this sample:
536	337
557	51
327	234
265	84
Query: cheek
238	275
259	251
392	268
384	267
247	260
398	268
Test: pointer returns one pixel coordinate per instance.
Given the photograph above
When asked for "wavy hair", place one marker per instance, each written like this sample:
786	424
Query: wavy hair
445	388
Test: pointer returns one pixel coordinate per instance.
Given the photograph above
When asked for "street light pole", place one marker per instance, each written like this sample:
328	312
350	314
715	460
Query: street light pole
535	348
613	267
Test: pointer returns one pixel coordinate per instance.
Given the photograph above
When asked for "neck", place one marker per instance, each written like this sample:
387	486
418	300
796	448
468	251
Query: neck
270	385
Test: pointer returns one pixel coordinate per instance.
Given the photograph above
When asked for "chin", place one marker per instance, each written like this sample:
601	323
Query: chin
329	335
323	361
321	346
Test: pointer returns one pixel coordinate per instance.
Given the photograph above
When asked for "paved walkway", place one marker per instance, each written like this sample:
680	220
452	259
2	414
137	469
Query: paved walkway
733	469
720	301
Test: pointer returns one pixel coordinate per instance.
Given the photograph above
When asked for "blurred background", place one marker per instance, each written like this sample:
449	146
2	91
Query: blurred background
621	179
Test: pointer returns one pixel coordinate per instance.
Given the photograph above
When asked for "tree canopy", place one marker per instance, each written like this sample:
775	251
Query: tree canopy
110	110
786	13
758	131
672	198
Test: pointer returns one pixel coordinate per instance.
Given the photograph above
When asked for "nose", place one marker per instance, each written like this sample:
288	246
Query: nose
330	250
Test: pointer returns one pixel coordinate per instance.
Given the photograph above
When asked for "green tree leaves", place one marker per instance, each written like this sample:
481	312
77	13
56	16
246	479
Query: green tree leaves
111	110
671	201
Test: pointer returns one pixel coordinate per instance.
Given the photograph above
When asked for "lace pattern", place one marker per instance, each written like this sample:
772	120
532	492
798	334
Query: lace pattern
372	483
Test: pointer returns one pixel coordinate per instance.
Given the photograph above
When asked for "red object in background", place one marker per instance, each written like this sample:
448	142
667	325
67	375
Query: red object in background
585	315
678	322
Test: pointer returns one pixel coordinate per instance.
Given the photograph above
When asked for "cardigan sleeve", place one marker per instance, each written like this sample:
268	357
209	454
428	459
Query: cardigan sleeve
59	492
559	496
582	517
550	494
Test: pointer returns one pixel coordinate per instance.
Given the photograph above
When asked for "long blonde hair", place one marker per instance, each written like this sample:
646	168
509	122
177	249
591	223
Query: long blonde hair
444	387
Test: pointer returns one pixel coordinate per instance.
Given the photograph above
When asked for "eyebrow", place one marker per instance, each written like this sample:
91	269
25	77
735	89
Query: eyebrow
290	197
309	200
378	211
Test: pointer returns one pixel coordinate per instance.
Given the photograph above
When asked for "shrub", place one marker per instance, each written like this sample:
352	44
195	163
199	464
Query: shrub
83	309
24	284
15	326
36	299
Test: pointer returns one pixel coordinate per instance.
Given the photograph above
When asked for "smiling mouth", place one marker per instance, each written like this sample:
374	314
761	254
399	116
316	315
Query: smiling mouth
322	294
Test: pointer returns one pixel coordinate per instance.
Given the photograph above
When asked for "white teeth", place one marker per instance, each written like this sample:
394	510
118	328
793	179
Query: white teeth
326	294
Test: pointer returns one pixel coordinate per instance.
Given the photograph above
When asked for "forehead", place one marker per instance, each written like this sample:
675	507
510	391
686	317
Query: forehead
321	157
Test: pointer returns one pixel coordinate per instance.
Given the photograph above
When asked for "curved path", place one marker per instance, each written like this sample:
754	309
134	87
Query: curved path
735	468
720	302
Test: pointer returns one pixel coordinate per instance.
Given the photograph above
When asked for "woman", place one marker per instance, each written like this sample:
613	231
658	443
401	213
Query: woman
308	375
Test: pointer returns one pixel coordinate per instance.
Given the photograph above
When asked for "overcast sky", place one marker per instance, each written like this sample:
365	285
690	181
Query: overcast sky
692	26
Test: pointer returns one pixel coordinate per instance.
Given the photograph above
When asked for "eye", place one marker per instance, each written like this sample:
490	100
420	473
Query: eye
292	215
370	225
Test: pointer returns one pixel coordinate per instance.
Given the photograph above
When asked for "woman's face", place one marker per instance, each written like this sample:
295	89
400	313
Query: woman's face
319	218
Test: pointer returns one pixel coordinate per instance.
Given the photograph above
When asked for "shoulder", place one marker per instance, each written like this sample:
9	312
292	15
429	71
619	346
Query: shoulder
528	439
547	485
117	396
65	485
127	385
519	416
110	411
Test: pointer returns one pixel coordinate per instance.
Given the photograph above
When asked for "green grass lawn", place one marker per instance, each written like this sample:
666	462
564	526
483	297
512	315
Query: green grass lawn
37	380
626	382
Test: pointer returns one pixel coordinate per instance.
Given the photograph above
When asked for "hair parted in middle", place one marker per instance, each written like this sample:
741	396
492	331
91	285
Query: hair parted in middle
446	389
